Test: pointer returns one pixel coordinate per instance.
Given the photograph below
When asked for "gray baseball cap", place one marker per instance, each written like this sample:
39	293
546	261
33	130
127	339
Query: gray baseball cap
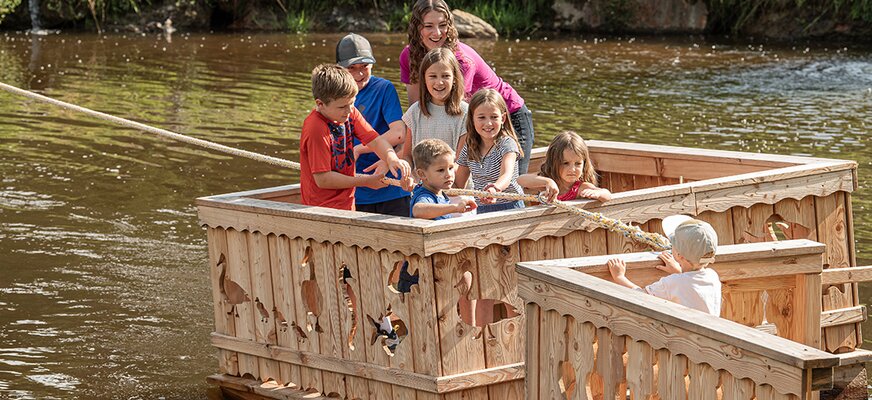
353	49
695	240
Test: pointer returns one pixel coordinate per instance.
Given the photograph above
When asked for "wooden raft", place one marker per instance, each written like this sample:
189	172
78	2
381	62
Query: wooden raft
317	280
590	338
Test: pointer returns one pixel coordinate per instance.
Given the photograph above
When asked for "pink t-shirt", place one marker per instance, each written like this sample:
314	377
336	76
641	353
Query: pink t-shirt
476	75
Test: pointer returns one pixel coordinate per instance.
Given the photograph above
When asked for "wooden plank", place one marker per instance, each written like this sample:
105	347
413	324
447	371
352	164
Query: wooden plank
533	348
353	323
736	389
238	272
242	388
640	369
749	224
610	363
497	280
330	338
833	276
404	357
843	316
722	223
727	255
699	170
807	323
373	306
800	217
262	295
546	248
553	348
302	325
348	229
504	374
224	318
781	308
769	187
699	154
743	307
285	294
832	231
620	164
621	182
671	372
425	341
766	392
620	244
390	376
580	353
703	382
461	351
645	182
585	244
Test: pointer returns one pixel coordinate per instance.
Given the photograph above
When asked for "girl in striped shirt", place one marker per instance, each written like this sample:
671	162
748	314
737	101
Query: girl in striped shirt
491	153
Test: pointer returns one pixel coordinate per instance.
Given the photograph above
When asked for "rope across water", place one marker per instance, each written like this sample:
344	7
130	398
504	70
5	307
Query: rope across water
157	131
654	240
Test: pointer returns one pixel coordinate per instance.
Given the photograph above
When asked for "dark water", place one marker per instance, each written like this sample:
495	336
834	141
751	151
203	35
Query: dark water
103	287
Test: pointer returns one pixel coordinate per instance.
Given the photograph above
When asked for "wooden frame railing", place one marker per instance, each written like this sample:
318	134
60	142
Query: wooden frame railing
588	337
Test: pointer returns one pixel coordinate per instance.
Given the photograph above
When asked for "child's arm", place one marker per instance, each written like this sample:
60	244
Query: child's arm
589	191
541	183
386	152
395	135
507	166
335	180
618	269
427	210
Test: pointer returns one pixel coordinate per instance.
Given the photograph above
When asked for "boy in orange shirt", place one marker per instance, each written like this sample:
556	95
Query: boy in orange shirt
327	177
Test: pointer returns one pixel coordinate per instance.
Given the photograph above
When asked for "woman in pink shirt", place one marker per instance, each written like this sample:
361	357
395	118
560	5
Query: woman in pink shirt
432	25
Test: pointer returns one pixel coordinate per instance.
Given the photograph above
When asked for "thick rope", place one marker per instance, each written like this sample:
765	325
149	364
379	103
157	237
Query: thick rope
157	131
654	240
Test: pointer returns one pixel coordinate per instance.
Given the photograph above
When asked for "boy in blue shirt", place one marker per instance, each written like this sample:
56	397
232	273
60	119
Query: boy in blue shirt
379	103
434	166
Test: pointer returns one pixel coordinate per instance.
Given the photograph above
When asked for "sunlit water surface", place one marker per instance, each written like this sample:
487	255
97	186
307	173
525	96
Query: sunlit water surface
104	290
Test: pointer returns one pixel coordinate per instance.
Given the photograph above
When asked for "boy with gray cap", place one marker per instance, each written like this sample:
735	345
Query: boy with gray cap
378	102
694	244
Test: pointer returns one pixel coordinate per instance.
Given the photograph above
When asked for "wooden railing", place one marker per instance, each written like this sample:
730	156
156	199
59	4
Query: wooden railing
590	338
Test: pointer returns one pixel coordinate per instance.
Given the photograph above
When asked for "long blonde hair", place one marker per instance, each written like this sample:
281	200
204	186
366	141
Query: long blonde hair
416	42
441	55
473	139
554	157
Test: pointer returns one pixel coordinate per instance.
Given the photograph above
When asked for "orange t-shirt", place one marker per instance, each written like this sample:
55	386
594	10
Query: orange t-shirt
326	146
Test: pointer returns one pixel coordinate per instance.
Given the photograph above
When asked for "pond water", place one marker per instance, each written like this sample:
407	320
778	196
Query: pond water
103	287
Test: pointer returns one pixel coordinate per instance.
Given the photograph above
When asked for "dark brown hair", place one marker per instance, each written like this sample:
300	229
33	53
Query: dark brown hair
441	55
473	139
416	42
554	157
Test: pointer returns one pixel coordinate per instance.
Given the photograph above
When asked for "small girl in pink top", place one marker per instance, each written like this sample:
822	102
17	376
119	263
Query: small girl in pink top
567	172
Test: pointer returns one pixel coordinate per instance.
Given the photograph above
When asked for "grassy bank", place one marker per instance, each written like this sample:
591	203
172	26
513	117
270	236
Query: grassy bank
509	17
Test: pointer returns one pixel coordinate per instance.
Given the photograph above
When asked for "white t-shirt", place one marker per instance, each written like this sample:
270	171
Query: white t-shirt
700	290
439	125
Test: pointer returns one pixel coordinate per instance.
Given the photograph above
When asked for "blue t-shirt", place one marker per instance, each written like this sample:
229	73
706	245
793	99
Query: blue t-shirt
420	194
380	105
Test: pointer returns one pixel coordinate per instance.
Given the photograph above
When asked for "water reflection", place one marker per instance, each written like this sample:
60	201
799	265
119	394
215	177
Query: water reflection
103	290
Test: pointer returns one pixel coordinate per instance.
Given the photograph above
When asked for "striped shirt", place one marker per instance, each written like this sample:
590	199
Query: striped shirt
488	170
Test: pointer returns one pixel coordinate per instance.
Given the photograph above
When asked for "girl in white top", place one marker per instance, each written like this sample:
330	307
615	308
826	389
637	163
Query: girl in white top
441	112
491	152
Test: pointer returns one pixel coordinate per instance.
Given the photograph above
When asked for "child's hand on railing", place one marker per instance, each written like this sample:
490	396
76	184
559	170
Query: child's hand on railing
670	264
